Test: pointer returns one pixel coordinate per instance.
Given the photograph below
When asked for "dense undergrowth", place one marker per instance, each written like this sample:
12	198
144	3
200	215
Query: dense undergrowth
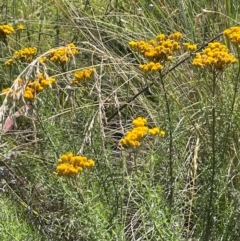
115	125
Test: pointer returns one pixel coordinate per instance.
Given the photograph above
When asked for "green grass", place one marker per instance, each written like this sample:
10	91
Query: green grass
12	224
182	187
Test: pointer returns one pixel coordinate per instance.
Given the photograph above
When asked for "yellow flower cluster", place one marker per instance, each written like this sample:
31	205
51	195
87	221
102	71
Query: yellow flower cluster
5	30
215	55
82	75
62	55
151	66
32	89
233	34
24	55
134	137
37	86
70	165
157	51
190	47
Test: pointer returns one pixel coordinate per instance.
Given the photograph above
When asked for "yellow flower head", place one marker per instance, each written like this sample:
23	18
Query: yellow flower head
20	27
175	36
154	131
5	30
160	37
139	121
133	44
42	60
28	94
162	133
190	47
9	62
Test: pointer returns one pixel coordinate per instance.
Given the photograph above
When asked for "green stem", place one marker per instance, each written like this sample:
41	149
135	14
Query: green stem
210	209
79	192
236	84
171	178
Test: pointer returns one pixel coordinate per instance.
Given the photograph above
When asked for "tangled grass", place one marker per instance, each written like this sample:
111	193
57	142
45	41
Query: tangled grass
74	75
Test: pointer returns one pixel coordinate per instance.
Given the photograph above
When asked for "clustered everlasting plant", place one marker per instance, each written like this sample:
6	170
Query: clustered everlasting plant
4	31
63	55
157	51
214	58
70	165
233	34
161	50
20	27
215	55
134	137
190	47
32	88
37	86
25	55
81	76
60	56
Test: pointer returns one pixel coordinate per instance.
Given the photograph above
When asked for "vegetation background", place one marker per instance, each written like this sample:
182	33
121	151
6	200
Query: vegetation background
181	187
